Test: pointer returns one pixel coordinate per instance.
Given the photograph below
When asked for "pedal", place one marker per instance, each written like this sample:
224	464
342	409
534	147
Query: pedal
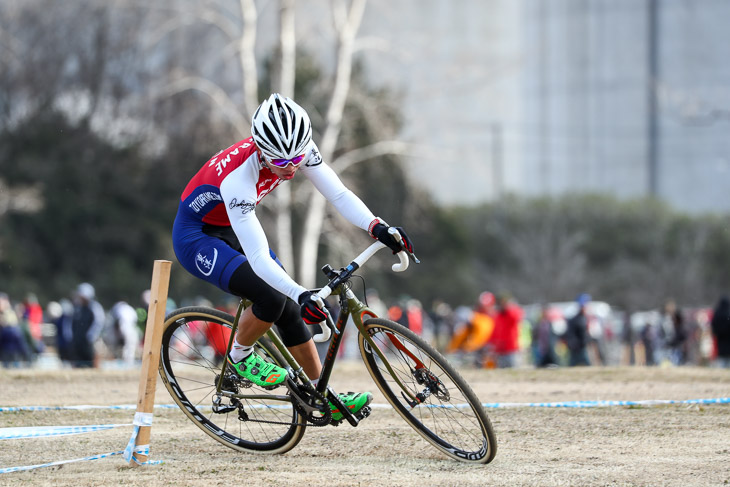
363	413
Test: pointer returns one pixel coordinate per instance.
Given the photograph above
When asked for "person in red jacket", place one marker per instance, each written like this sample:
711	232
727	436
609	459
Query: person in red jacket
505	337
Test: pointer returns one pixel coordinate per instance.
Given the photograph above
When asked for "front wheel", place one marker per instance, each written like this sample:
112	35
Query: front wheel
246	417
427	392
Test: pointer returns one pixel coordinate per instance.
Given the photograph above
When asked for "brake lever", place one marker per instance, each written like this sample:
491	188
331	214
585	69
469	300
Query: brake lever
412	256
396	234
327	327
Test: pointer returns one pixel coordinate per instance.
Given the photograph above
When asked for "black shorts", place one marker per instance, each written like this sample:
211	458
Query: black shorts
269	305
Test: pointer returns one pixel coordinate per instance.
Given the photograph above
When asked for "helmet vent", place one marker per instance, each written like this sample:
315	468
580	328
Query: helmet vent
281	128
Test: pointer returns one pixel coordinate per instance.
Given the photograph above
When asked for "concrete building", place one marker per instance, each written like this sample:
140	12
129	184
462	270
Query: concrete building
538	97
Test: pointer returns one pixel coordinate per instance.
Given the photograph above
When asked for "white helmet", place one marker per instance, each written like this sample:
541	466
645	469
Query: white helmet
281	129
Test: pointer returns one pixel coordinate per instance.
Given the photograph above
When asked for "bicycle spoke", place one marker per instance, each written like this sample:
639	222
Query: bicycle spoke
426	391
192	357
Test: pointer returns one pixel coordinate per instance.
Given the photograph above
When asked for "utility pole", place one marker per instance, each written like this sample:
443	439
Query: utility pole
544	101
652	102
497	169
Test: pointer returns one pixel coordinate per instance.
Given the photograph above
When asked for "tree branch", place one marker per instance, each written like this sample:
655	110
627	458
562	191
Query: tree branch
315	217
215	92
248	57
382	148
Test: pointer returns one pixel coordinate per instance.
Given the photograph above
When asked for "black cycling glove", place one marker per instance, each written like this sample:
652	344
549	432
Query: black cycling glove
380	232
311	313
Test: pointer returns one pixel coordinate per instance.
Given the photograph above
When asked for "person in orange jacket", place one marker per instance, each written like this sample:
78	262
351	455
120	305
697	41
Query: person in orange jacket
476	333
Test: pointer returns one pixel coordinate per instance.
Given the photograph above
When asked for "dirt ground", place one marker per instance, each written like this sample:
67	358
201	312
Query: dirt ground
672	445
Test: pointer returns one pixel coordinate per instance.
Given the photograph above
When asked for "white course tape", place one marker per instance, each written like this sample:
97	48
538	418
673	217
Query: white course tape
140	419
61	462
601	404
565	404
46	431
14	409
145	419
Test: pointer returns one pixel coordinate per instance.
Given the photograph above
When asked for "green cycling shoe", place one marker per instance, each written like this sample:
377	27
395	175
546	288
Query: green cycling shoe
354	401
259	371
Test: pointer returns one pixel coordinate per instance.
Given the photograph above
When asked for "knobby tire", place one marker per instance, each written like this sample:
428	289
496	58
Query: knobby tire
193	347
449	416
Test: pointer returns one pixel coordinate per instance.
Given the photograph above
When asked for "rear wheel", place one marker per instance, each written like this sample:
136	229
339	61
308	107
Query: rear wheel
244	417
427	392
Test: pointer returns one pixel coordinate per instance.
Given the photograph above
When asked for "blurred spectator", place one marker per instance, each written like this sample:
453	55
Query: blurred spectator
721	330
396	312
505	337
124	336
628	341
30	317
442	317
372	298
86	325
651	338
576	334
13	347
142	310
673	320
418	320
705	342
544	338
595	334
414	312
61	315
473	328
32	314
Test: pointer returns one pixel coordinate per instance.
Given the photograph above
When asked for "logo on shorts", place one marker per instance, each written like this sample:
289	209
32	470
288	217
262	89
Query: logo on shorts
204	264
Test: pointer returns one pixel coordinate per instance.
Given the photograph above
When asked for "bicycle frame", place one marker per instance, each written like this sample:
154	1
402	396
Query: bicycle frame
350	306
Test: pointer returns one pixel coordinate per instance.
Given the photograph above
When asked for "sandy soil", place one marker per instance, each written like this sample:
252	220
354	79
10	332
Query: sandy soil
673	445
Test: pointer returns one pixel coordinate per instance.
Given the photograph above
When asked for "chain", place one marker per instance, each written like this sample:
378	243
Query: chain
324	420
291	423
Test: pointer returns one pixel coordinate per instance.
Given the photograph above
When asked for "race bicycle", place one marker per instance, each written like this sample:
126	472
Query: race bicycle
417	381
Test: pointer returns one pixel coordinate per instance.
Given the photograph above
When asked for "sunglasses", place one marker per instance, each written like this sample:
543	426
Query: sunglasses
295	161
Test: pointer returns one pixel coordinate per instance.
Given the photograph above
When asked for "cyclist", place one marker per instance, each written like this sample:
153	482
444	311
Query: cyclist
218	238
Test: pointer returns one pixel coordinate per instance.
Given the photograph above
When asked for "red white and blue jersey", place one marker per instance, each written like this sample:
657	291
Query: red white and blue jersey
226	191
202	196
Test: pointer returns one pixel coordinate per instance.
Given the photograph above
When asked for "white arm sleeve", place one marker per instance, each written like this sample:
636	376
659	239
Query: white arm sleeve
251	234
332	188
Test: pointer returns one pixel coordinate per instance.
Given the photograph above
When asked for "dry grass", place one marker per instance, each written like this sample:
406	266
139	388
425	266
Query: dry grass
678	445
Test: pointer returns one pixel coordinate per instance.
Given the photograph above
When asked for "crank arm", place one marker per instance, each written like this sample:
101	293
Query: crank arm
299	399
346	414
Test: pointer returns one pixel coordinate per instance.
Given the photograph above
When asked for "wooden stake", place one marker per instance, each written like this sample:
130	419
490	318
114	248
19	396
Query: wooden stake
151	350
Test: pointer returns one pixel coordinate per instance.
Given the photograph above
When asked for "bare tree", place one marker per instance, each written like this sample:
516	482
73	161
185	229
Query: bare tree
286	76
347	22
